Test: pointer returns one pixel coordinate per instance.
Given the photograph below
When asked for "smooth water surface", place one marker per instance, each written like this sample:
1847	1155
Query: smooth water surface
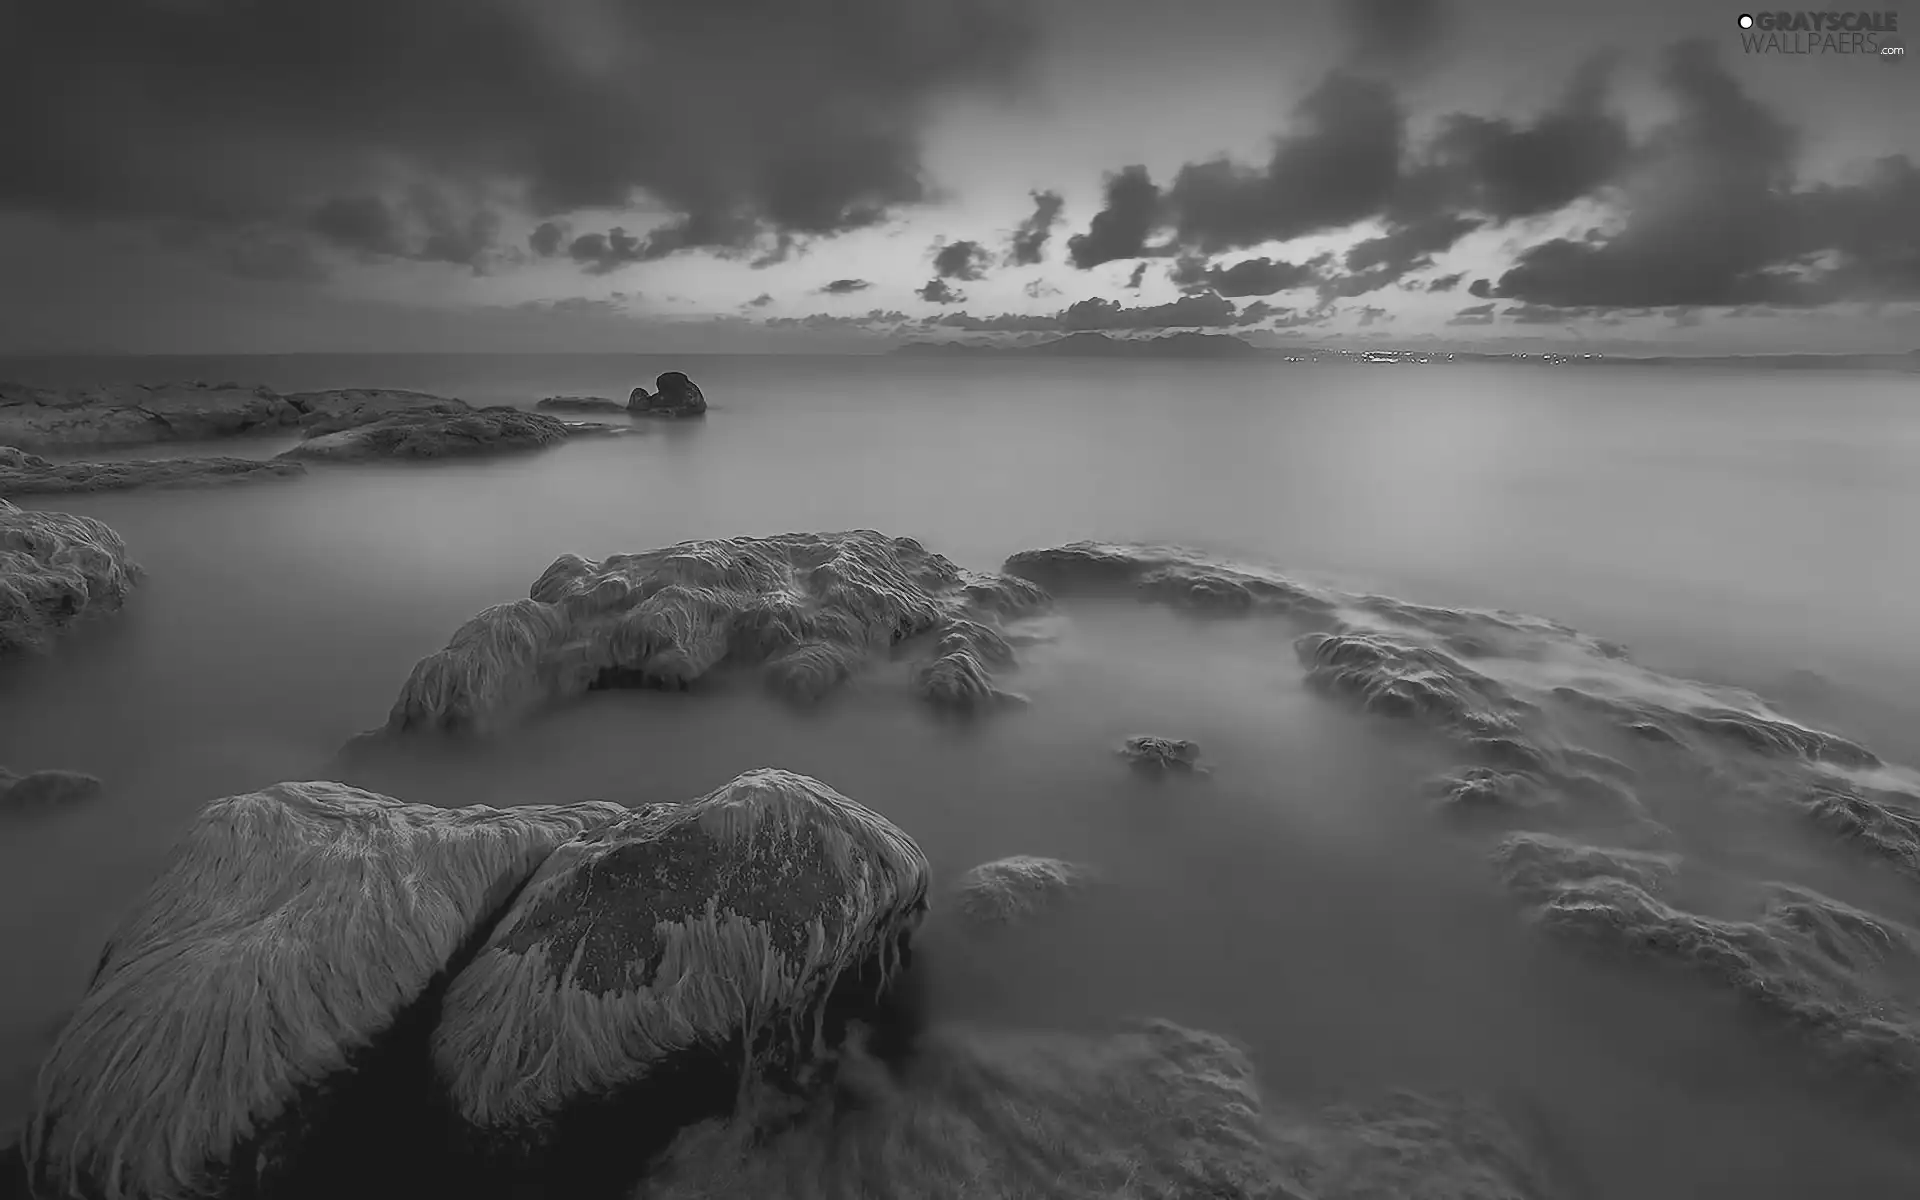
1747	527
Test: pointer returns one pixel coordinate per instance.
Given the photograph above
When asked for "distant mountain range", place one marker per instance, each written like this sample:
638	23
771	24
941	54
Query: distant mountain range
1225	345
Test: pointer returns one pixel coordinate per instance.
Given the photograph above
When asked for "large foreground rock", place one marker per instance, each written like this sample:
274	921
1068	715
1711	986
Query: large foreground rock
54	570
23	474
282	951
1151	1110
808	609
435	435
674	396
653	964
133	414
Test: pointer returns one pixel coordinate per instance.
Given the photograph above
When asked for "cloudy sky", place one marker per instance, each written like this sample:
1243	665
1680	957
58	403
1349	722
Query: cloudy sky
712	175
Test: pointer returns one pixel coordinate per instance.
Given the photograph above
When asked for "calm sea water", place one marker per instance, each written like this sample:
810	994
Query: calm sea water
1747	527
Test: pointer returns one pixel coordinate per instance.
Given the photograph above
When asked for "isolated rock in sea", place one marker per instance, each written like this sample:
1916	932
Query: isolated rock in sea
257	986
593	404
1012	890
54	570
1834	973
653	965
138	413
38	791
1151	755
675	396
23	474
809	609
1151	1110
434	435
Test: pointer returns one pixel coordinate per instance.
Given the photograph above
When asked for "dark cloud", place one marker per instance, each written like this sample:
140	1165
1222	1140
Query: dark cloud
546	238
1538	314
1481	288
1338	164
872	319
424	226
939	291
1712	216
233	114
1206	310
961	260
1378	262
845	287
760	301
1138	275
1473	314
1120	229
1370	315
1393	33
1445	283
1029	242
1038	288
999	323
1252	277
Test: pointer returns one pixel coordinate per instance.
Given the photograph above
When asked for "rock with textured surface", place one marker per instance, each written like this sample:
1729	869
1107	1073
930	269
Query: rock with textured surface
675	396
251	989
55	569
809	610
653	964
592	404
23	474
1008	891
435	435
138	413
38	791
1151	755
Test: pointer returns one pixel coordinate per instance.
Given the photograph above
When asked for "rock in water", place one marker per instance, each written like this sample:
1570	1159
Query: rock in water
138	413
676	396
1152	755
272	967
1008	891
655	966
55	569
41	790
436	435
599	404
809	609
23	474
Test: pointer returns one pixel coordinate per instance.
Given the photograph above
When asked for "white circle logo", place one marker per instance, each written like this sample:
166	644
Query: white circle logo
1746	21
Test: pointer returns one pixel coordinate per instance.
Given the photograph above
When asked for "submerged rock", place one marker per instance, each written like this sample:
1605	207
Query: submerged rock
138	413
54	570
1012	890
259	984
436	435
23	474
40	790
593	404
653	965
809	609
675	396
1151	755
1151	1110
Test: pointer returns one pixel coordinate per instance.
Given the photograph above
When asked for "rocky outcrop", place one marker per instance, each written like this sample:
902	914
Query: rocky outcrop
38	791
1010	891
1157	756
807	610
258	988
588	404
435	435
675	396
135	414
54	570
655	963
23	474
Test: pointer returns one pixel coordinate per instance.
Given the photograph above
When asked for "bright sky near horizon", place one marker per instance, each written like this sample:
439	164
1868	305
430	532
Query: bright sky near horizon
225	176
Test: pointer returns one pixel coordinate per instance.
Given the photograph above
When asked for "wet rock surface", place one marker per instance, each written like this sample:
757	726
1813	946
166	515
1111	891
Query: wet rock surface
259	990
1594	779
23	474
654	963
589	404
674	395
56	569
1155	756
39	419
808	610
425	435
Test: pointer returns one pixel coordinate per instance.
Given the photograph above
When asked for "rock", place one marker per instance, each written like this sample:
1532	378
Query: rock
808	609
248	1006
435	435
41	790
1152	1109
1012	890
23	474
677	396
654	964
1152	755
139	413
594	404
54	570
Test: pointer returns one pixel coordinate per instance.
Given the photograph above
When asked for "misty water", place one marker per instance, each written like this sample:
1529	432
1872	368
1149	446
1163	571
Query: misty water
1744	527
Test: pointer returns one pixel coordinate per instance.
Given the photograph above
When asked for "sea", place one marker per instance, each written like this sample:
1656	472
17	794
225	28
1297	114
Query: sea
1729	524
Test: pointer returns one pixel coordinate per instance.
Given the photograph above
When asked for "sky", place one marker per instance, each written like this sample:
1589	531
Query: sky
696	176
